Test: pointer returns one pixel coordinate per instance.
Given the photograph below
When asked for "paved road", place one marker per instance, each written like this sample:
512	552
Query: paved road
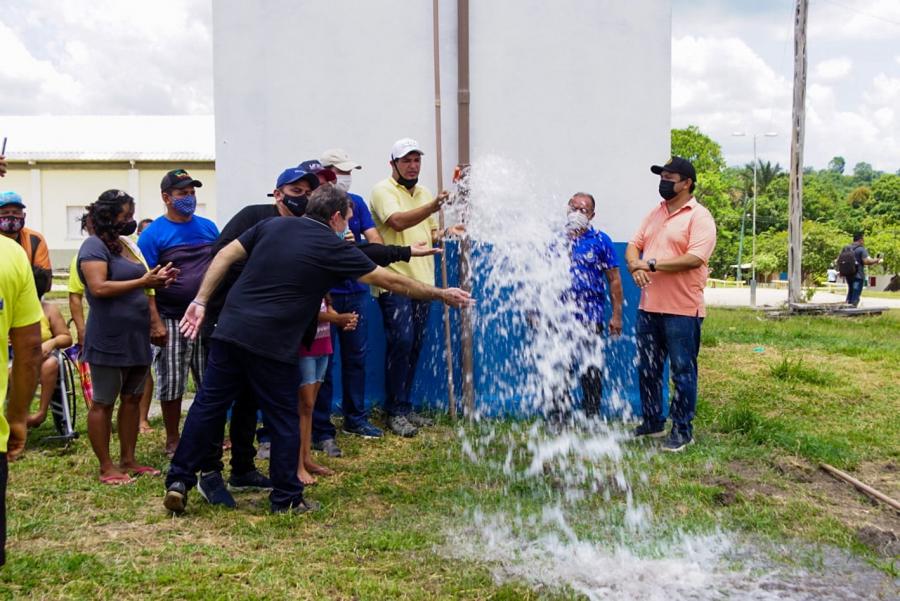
740	297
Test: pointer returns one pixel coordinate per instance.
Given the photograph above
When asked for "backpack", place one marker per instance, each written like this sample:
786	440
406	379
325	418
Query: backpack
846	261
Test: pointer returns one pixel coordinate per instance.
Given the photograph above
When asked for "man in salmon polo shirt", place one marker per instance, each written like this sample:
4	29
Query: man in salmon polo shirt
667	258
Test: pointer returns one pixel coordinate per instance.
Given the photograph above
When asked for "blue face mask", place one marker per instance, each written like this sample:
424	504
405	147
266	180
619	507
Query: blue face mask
186	205
343	234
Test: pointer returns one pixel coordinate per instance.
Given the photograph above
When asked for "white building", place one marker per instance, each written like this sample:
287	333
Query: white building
578	90
61	164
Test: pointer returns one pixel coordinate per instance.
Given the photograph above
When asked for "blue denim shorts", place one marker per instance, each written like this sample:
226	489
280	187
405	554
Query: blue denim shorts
312	369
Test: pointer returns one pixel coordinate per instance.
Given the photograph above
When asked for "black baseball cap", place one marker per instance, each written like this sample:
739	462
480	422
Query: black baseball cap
681	166
177	179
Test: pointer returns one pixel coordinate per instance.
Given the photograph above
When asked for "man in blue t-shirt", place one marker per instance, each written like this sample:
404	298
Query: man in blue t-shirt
184	239
595	273
349	297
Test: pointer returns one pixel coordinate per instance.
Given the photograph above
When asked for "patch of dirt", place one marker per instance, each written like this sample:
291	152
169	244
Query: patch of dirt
876	525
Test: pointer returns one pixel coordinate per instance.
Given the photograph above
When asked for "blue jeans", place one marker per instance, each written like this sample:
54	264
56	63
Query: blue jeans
404	330
274	384
354	346
854	290
661	336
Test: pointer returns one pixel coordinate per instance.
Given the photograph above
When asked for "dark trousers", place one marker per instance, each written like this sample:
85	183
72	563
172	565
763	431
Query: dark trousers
274	384
241	431
854	290
590	377
661	336
4	475
404	330
354	346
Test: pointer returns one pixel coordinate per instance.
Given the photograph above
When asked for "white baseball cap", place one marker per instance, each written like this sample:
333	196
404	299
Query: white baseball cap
403	147
338	157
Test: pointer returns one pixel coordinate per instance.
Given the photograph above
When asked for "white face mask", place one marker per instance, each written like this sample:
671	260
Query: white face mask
576	221
343	181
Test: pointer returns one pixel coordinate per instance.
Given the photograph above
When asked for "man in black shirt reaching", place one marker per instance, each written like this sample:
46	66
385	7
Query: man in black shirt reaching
271	309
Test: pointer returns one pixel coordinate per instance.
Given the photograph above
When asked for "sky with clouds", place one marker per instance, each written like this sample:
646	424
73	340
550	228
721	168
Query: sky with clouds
732	65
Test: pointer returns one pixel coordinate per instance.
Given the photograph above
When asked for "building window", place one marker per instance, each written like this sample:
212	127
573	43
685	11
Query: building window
73	223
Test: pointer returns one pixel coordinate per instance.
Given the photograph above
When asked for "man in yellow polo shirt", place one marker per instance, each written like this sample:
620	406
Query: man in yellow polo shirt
20	316
404	212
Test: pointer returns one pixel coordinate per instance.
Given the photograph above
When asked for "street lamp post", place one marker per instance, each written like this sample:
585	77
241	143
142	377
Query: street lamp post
753	251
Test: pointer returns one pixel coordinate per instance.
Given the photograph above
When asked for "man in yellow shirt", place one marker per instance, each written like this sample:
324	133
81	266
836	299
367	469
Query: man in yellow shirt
20	327
404	212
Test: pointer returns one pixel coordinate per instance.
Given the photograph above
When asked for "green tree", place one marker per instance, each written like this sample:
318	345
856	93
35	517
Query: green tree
837	164
864	173
859	197
886	197
886	240
701	150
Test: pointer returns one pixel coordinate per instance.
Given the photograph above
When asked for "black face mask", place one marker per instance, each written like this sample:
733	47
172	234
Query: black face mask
409	184
667	189
126	228
296	204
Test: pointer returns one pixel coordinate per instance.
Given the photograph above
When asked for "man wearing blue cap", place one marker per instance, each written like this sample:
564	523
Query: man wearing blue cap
12	225
291	194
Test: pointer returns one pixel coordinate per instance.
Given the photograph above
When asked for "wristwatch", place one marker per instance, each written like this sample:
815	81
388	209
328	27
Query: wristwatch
651	263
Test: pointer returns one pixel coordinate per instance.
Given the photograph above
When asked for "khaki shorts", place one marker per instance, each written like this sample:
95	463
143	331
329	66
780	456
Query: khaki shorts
110	381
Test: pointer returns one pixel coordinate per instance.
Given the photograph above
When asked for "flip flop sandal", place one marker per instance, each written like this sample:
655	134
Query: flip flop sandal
116	480
145	470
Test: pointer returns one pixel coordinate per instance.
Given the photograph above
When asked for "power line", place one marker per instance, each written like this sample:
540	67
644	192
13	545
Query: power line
862	12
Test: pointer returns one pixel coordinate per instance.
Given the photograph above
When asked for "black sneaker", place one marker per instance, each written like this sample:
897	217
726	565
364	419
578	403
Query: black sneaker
329	447
211	487
365	430
249	481
300	507
419	421
676	441
176	497
400	426
645	429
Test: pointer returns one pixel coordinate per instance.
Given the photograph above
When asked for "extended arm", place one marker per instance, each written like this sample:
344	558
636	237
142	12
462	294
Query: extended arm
413	288
196	311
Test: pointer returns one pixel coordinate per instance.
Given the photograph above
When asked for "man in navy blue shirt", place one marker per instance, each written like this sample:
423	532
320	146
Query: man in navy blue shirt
349	296
595	272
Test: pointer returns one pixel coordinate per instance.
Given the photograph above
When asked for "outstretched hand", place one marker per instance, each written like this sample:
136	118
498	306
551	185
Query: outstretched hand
457	297
192	320
423	249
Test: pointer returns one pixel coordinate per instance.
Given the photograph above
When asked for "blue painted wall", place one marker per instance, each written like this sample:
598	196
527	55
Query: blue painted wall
492	349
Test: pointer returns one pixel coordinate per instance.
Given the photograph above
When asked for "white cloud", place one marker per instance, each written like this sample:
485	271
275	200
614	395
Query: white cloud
862	20
833	68
722	85
107	57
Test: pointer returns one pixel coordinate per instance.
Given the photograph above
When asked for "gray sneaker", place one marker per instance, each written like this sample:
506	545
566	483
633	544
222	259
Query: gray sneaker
329	447
400	426
419	421
302	506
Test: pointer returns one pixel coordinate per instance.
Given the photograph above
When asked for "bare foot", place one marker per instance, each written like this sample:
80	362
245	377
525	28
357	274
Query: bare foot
170	449
146	428
321	470
35	420
305	477
115	477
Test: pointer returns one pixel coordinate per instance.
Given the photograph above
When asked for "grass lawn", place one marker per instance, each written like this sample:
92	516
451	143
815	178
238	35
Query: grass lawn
880	294
776	398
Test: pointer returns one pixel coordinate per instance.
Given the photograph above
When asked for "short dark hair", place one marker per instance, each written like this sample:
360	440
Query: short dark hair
586	195
858	236
325	202
143	223
43	280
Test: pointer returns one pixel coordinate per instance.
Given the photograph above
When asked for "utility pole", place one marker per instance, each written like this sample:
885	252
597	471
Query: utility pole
770	134
798	121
